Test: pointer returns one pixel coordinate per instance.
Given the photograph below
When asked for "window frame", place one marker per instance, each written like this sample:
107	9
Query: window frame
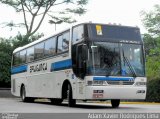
55	38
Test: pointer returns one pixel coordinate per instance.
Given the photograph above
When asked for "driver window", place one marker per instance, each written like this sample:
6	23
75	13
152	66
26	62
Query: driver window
78	34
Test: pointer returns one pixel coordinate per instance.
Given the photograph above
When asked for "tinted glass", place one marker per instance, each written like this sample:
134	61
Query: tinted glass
78	33
50	47
16	59
116	59
23	56
65	42
59	48
30	54
105	59
133	61
39	51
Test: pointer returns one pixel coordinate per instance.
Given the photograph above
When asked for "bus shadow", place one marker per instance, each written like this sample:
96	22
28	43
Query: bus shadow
100	106
78	105
91	106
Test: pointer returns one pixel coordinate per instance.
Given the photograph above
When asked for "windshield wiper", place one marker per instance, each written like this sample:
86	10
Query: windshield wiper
129	64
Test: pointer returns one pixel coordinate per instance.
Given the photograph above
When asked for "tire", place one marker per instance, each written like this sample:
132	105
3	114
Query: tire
115	103
56	101
23	96
71	101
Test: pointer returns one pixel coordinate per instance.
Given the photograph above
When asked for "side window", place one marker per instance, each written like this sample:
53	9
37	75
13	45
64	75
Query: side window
50	47
39	51
30	54
63	42
23	56
78	33
16	60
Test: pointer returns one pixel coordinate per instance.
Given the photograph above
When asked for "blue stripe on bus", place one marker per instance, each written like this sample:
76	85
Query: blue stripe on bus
114	78
19	69
61	65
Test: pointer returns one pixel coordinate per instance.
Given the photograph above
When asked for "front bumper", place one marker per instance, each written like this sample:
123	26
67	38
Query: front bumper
115	92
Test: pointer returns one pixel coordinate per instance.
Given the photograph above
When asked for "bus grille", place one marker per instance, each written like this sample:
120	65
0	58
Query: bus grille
120	82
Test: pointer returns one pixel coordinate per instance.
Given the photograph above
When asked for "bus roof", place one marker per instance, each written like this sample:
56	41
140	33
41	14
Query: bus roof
58	32
45	38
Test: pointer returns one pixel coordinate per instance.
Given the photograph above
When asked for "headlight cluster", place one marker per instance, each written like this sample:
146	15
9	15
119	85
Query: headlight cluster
97	83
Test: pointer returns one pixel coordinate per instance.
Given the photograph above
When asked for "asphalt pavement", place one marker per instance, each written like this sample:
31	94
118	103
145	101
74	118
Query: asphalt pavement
15	105
6	93
13	108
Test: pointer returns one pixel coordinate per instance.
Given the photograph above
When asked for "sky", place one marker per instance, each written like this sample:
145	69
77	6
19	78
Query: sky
124	12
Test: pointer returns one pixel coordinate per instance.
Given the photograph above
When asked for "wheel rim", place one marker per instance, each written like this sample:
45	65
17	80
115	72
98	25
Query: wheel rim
68	92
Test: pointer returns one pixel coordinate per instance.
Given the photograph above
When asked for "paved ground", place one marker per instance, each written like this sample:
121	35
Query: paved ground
5	93
14	108
14	105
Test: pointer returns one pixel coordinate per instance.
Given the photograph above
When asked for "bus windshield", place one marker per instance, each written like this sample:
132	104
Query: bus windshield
115	59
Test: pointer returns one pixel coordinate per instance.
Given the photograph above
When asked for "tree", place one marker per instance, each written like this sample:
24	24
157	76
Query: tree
149	43
5	61
151	21
21	40
153	67
153	91
6	48
38	9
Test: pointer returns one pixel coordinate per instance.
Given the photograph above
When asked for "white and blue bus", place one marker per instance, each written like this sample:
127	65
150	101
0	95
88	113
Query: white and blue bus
88	61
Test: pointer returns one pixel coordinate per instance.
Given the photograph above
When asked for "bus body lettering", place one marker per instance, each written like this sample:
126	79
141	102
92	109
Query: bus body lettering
38	67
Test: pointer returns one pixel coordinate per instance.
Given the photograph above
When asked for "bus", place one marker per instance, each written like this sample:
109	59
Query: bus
88	62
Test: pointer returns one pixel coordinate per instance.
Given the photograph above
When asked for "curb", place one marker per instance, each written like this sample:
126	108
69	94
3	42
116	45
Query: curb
5	88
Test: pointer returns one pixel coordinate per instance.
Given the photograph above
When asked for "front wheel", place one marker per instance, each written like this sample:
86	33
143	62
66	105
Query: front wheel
115	103
71	101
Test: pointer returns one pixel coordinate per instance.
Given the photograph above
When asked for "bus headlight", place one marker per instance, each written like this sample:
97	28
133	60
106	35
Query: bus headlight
96	83
140	83
89	83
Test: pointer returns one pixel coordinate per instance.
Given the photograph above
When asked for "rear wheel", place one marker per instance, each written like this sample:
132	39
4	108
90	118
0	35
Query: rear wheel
71	101
115	103
23	95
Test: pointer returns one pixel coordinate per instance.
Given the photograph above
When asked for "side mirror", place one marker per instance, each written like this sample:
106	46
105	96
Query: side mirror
82	57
